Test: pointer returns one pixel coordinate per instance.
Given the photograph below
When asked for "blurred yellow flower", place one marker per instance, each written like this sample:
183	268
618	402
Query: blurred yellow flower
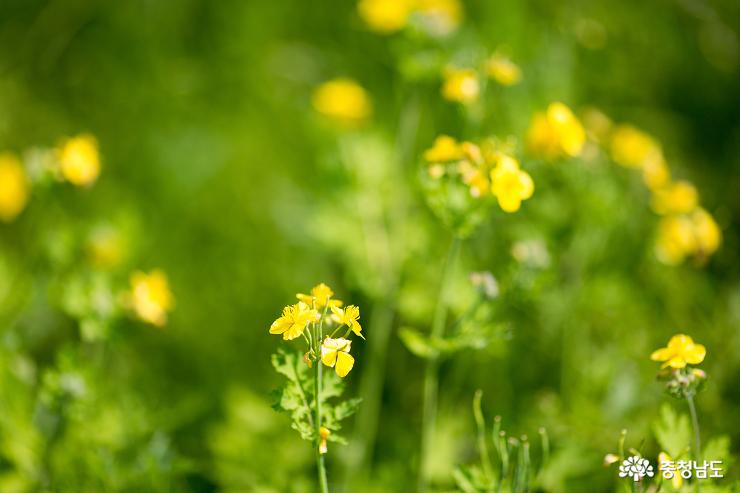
320	295
676	239
385	16
706	232
475	177
349	317
343	100
556	133
503	70
655	172
14	188
151	297
335	354
632	147
676	480
681	350
675	198
440	17
510	185
79	161
460	85
445	148
323	436
294	320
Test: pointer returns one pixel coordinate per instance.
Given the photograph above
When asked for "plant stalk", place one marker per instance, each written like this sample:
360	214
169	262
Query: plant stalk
697	433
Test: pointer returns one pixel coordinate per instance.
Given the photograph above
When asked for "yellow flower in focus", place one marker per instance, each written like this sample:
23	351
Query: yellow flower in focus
294	320
79	161
335	354
503	70
631	147
385	16
681	350
445	148
556	133
510	185
151	297
441	17
343	100
676	239
655	172
676	480
320	295
461	85
676	198
348	316
707	234
323	436
14	187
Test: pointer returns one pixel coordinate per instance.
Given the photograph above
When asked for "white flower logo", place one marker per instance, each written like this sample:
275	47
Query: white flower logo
636	468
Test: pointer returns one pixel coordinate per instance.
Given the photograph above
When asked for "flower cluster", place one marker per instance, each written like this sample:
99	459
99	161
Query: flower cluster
486	169
677	358
436	17
463	85
556	133
319	318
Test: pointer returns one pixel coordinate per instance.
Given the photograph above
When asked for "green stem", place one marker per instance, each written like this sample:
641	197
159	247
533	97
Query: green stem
431	372
697	433
320	465
480	423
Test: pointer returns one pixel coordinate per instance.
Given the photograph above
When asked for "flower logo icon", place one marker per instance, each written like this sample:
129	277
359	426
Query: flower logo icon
636	468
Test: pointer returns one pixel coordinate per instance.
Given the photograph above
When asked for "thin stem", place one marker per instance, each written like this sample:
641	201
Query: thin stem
697	433
431	373
480	423
320	465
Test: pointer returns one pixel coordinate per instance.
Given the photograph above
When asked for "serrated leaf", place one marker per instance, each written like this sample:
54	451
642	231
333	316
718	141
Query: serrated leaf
672	431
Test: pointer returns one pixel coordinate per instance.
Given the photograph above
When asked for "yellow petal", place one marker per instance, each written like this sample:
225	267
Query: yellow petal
345	362
280	325
662	354
357	329
695	354
328	357
509	202
527	185
675	362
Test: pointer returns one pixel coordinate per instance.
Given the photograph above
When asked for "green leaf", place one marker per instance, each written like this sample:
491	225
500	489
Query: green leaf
417	343
673	431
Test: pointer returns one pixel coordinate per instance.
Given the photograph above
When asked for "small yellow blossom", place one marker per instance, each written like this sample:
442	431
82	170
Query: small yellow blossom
676	198
348	316
676	239
503	70
444	149
510	185
655	172
475	177
440	17
681	350
320	296
343	100
632	147
461	85
676	480
556	133
79	161
706	232
14	188
385	16
335	354
323	436
294	320
151	297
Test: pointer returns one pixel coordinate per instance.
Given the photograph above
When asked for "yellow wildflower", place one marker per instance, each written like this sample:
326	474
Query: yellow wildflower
681	350
343	100
706	232
335	354
676	239
294	320
556	133
509	184
79	161
445	148
676	198
320	295
655	172
385	16
151	297
323	436
676	480
460	85
13	187
503	70
348	316
632	147
441	17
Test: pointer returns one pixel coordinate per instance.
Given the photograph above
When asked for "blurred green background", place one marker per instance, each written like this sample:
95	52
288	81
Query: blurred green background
217	170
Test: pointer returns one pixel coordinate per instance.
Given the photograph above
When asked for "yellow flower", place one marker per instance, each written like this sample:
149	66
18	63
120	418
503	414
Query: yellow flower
348	316
676	480
323	435
556	133
706	232
681	350
385	16
445	148
461	85
510	185
13	187
151	297
631	147
676	239
676	198
440	17
335	354
294	320
79	160
320	295
655	172
503	70
343	100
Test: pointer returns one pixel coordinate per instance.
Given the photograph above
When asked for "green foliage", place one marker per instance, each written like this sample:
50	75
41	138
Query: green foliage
673	431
